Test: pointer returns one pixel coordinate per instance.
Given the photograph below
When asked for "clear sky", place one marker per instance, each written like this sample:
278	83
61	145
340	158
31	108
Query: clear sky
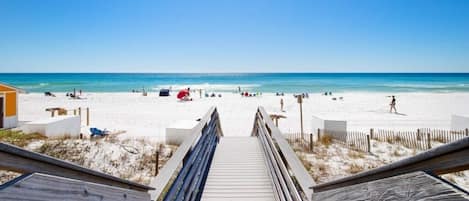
234	36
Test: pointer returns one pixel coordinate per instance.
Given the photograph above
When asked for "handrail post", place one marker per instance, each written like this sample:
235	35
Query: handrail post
311	142
368	143
319	134
429	140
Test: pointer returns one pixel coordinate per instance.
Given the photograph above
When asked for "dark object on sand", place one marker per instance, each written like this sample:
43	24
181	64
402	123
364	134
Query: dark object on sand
48	93
98	132
164	92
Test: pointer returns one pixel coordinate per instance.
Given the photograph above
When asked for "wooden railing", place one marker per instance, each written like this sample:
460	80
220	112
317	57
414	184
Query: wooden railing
448	158
290	179
20	160
51	179
185	172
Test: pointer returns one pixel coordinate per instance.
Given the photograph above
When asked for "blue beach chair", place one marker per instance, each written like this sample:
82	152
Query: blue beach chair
98	132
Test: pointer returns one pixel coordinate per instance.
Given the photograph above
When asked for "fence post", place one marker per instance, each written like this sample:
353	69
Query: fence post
467	131
87	116
429	145
74	112
369	143
311	142
371	133
319	134
157	161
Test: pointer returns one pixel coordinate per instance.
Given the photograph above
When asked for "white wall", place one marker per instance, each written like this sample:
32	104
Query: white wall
10	122
338	128
178	131
55	126
459	122
317	123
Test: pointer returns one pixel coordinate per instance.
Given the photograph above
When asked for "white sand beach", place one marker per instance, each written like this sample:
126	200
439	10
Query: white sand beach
149	115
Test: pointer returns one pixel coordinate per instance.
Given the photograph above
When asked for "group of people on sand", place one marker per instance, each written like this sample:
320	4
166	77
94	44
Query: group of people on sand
74	95
303	95
247	94
392	105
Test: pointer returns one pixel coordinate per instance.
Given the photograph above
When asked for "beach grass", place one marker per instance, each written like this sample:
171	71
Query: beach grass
19	138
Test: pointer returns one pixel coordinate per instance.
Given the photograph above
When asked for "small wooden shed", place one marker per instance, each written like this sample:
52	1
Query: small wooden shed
8	106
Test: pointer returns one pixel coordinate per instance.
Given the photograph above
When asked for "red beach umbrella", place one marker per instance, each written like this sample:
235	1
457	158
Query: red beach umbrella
182	93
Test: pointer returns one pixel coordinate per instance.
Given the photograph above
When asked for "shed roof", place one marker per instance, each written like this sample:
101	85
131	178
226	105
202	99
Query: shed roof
9	87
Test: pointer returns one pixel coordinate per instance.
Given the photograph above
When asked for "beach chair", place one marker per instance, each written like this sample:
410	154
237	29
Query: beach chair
98	132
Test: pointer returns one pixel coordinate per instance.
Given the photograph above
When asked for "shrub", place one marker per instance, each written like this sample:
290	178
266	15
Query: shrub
355	154
354	168
19	138
326	140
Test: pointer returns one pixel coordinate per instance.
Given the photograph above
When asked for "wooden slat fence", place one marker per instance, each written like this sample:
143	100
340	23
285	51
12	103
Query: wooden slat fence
298	141
422	139
356	140
409	139
444	136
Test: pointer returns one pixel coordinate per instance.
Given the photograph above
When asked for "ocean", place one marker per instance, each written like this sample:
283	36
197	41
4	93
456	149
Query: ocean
252	82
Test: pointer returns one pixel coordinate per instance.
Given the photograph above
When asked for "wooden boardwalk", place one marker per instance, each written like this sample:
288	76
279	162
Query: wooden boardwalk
238	172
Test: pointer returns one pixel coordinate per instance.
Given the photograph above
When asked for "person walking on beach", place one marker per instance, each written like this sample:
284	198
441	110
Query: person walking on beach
281	105
393	105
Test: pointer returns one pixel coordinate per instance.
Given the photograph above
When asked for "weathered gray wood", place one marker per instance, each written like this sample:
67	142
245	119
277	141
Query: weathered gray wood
238	174
17	159
168	171
447	158
412	186
293	162
279	172
41	187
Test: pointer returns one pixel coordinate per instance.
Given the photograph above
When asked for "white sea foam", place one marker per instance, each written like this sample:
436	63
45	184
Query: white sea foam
209	87
35	86
426	86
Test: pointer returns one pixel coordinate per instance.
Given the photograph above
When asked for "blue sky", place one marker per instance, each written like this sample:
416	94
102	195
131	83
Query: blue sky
234	36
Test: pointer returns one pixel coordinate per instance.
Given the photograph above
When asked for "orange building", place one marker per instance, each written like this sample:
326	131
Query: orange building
8	106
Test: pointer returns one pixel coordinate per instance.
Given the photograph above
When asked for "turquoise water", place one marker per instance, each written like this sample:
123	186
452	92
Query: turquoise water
262	82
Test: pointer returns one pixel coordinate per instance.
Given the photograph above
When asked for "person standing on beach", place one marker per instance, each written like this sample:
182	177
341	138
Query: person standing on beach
393	105
281	104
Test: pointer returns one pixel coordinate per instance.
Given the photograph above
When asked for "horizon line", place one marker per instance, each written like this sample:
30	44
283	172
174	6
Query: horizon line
273	72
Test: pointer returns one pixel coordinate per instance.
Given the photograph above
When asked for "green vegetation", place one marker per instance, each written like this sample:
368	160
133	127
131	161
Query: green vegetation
18	138
326	140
